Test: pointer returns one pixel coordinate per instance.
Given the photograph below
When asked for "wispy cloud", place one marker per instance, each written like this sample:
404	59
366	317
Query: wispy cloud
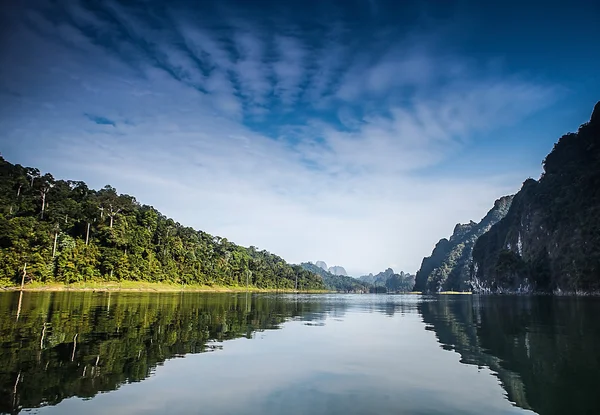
100	120
268	133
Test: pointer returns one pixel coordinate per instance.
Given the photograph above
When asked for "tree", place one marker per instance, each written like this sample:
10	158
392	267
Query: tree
70	240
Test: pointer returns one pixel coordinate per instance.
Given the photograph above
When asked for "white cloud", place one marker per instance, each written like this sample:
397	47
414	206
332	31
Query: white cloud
362	198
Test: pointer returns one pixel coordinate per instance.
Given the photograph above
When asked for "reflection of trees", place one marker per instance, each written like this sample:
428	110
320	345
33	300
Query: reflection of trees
78	344
544	350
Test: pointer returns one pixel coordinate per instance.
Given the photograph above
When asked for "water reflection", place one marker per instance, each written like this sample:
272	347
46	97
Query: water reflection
347	353
58	345
544	350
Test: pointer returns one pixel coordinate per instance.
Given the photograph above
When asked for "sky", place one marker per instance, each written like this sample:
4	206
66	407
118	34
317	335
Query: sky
358	132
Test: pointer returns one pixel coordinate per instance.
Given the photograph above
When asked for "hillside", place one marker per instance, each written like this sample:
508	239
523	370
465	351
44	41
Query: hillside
448	267
339	283
390	280
549	240
65	232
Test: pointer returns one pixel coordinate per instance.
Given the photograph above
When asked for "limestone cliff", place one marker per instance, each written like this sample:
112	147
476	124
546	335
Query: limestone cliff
549	240
448	267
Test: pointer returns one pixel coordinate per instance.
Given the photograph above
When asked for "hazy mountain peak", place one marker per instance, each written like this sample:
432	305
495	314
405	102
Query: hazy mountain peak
322	265
337	270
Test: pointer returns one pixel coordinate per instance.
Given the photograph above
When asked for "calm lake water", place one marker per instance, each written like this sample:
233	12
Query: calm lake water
149	353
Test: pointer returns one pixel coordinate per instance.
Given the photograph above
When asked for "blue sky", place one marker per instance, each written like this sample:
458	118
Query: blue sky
355	132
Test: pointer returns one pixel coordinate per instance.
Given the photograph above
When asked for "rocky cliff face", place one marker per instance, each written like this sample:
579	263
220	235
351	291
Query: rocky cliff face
337	270
549	240
448	267
378	279
390	280
322	265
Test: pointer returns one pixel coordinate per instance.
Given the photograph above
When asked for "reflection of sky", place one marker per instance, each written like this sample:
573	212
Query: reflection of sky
361	362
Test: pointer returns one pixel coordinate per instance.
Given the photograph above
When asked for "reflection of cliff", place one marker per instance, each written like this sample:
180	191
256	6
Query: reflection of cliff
544	350
79	344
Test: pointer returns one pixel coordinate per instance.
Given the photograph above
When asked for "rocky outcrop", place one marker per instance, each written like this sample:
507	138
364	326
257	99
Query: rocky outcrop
337	270
390	280
322	265
379	279
549	240
448	267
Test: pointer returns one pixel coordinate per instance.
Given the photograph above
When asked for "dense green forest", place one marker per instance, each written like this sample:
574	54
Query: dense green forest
64	231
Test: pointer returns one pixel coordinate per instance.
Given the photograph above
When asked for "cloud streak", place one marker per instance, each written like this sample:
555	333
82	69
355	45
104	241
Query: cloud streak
263	131
100	120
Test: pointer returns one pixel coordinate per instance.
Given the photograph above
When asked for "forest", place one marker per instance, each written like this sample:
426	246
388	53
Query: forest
63	231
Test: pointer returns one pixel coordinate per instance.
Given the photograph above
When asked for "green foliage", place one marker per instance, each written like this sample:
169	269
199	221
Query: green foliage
66	232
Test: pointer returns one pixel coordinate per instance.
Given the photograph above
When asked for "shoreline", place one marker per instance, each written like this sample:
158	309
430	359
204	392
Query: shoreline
130	286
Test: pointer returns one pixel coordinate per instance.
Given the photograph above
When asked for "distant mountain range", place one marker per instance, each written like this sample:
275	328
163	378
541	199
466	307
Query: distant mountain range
336	279
390	280
335	270
333	282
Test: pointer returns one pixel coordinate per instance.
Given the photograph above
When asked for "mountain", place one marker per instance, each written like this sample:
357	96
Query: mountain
322	265
337	270
379	279
549	240
390	280
448	267
340	283
65	232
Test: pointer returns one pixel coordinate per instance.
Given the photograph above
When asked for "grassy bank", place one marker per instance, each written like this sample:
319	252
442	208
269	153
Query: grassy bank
142	286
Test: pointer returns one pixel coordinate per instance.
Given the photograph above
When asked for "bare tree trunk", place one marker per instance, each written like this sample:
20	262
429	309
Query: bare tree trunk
54	247
19	190
111	221
87	234
24	275
43	335
66	219
19	306
15	389
74	346
43	203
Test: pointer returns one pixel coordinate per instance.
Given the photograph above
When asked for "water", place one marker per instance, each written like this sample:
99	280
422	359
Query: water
157	353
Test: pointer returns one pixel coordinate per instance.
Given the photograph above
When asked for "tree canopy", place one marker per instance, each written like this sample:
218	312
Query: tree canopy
66	232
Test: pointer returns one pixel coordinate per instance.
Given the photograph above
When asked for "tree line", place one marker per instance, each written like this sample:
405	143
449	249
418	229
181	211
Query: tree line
63	231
